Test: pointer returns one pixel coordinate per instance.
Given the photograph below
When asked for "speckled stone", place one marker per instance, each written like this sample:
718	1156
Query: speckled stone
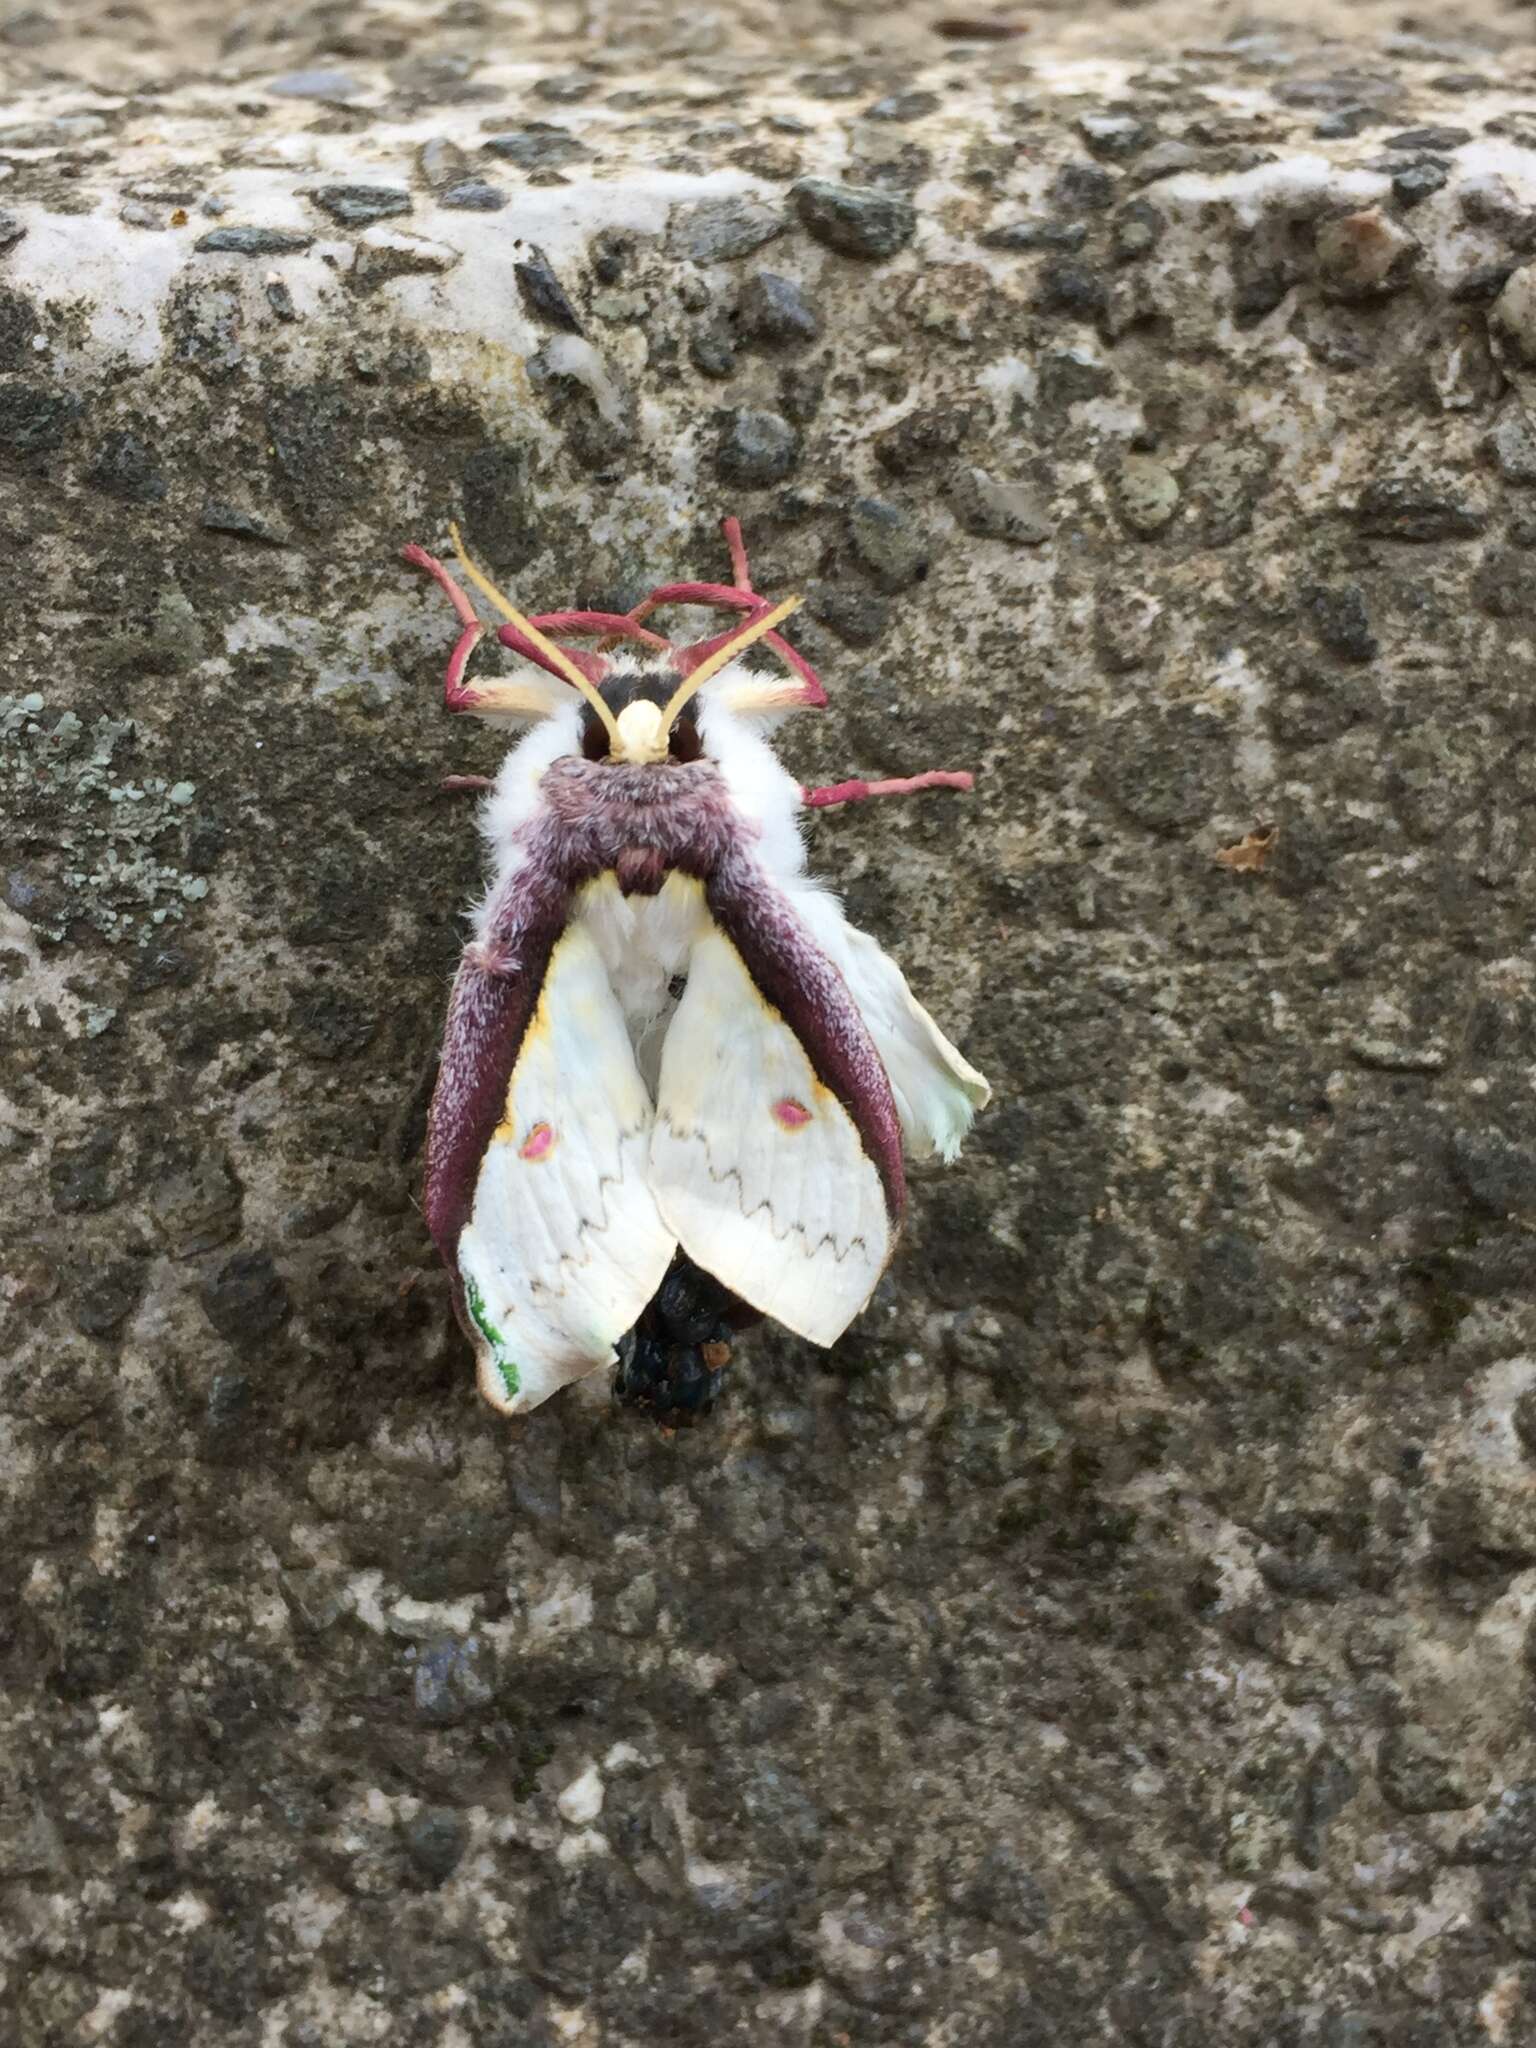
756	448
355	206
1148	493
855	220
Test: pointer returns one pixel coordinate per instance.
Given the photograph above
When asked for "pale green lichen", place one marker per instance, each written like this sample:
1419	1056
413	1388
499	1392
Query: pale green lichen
115	836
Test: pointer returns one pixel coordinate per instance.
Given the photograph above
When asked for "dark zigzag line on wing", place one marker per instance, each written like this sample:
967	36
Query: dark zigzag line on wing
734	1173
585	1227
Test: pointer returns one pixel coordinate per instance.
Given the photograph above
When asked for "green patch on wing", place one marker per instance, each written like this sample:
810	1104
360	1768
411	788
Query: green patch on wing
504	1363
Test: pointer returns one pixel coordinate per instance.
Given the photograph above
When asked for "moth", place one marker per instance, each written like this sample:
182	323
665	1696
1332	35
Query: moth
672	1071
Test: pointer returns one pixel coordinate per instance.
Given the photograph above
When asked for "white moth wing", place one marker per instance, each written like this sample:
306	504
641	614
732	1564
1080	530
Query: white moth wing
936	1090
758	1169
564	1246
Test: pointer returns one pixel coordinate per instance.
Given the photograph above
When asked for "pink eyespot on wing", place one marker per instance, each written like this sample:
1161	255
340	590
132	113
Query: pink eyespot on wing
789	1114
538	1144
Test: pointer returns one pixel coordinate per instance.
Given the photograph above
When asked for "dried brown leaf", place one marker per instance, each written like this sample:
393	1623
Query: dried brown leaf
1251	853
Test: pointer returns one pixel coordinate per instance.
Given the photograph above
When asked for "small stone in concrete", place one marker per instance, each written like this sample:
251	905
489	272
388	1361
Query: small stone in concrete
923	439
316	85
1035	234
582	1800
542	294
1341	621
454	1678
1416	509
855	220
775	312
1113	135
712	354
1419	1774
125	467
33	418
220	516
1430	138
474	195
994	509
1138	228
889	543
857	617
1514	314
756	449
1071	289
356	205
441	162
903	106
1364	256
538	147
246	1300
252	242
1513	444
1148	493
1082	188
435	1839
11	229
1417	183
722	230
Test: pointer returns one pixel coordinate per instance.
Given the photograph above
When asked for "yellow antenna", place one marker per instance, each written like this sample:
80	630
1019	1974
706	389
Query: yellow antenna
712	663
557	657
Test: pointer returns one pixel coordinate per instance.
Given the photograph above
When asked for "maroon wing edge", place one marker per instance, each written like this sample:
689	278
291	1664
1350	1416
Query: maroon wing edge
792	973
495	994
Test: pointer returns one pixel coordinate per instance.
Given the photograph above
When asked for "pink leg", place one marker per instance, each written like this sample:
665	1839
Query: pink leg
466	785
737	596
457	695
908	785
740	574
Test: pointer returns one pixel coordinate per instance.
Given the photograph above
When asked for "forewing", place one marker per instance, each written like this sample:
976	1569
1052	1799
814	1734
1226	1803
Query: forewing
775	1156
564	1245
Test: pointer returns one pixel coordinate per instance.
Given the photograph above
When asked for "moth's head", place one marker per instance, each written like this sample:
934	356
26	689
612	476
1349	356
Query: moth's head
640	692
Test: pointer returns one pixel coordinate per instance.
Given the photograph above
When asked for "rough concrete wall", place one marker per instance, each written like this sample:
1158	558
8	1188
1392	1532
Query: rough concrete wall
1125	1635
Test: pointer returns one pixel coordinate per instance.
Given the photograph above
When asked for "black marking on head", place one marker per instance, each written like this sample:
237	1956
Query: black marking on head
646	686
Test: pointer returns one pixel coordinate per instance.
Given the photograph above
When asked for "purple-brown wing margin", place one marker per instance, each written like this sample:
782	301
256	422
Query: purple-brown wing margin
495	995
793	974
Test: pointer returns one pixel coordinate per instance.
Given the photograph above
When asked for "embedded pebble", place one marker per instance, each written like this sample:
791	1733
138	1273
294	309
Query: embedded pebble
855	220
889	543
315	85
1416	509
582	1800
542	294
1148	493
722	230
474	195
246	1299
355	206
435	1839
442	163
756	449
1364	255
775	312
1513	444
1113	135
454	1678
538	147
994	509
252	242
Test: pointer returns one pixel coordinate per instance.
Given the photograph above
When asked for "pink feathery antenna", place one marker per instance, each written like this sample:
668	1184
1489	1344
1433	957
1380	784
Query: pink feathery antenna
586	669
